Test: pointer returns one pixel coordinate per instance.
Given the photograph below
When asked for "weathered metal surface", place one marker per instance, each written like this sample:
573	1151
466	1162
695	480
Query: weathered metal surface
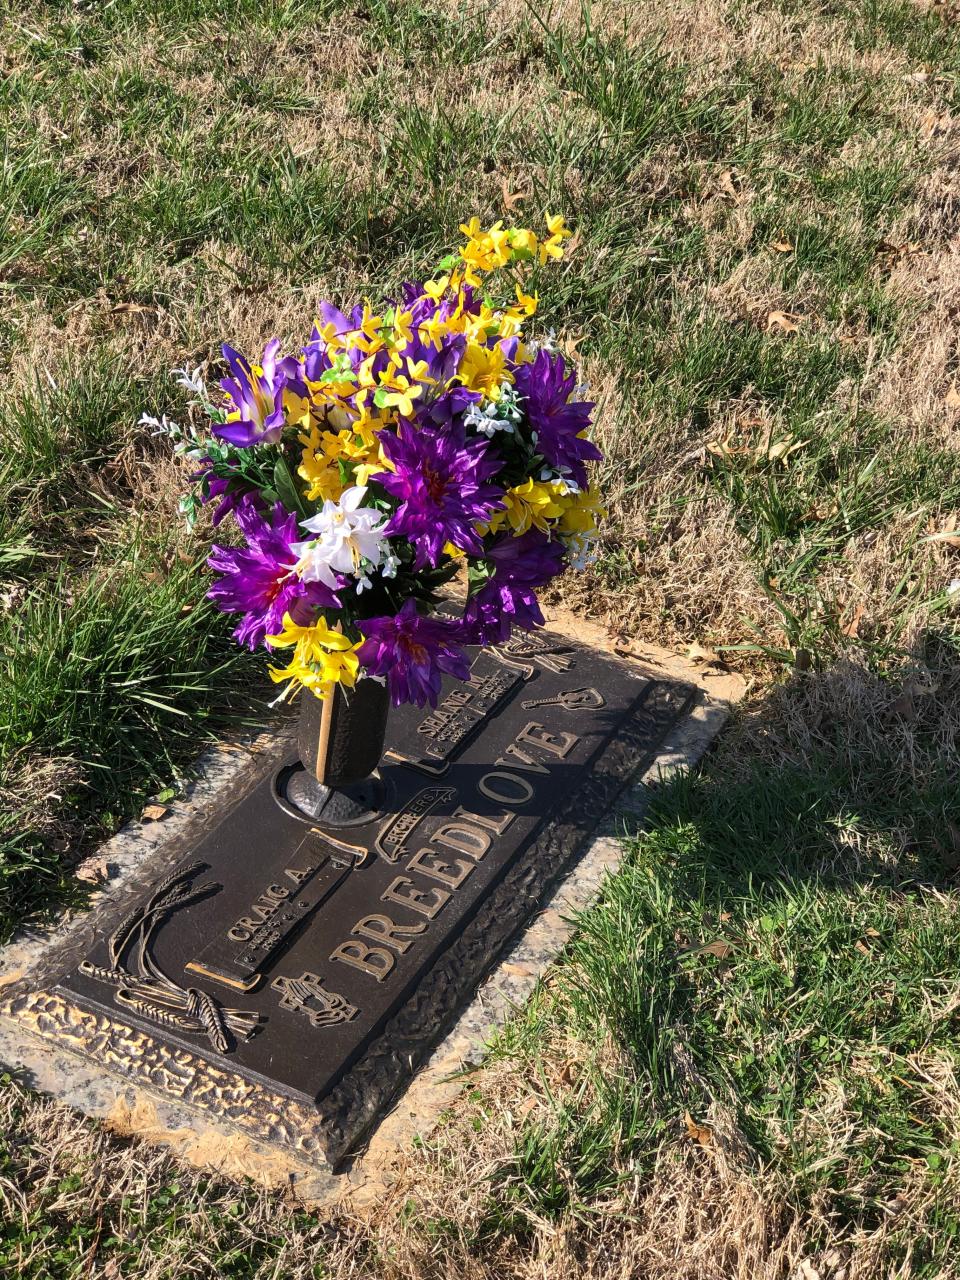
349	994
340	738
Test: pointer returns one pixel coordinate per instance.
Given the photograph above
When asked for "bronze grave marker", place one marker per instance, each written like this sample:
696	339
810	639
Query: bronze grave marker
290	976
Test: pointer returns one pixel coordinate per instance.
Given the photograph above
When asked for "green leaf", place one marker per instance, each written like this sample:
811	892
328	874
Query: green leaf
283	481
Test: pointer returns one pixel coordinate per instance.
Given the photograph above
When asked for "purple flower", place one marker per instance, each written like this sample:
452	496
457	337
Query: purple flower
441	481
259	580
507	599
229	492
316	356
411	651
556	419
257	399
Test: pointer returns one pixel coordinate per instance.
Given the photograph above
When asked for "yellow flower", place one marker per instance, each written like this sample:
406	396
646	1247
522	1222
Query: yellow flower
402	395
484	250
509	324
319	467
403	328
434	329
419	371
323	451
531	504
557	226
437	288
559	231
321	657
524	241
482	368
527	301
582	512
370	325
296	408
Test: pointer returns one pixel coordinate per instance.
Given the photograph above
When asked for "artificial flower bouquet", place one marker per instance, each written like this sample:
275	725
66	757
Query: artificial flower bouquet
403	444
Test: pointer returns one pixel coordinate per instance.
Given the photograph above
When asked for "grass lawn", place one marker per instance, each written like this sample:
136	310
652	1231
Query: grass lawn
748	1063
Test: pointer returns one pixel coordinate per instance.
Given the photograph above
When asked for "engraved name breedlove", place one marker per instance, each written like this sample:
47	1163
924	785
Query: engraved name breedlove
438	868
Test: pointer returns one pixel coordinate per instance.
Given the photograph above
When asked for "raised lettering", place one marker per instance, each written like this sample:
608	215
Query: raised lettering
298	876
382	929
457	835
559	746
372	960
497	825
452	873
404	891
520	760
485	787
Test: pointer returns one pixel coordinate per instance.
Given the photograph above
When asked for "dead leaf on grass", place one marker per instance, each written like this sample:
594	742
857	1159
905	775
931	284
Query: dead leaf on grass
782	246
92	871
724	449
731	184
806	1271
784	320
950	533
933	124
784	448
852	627
154	812
701	1133
904	707
952	398
133	309
722	950
511	199
569	342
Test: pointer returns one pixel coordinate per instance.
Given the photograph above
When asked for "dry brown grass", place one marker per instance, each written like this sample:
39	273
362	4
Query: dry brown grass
688	575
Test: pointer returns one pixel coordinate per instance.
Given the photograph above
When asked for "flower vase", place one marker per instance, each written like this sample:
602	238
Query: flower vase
340	742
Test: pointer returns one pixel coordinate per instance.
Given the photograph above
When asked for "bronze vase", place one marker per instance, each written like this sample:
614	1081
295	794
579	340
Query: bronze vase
340	742
340	739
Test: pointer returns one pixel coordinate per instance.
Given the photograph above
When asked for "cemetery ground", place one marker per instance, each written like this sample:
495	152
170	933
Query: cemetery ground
747	1063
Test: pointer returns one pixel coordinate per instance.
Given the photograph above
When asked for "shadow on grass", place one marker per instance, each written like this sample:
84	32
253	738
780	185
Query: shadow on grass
779	956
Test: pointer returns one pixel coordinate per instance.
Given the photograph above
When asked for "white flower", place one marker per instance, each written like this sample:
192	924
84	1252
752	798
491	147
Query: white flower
347	535
391	564
501	414
560	476
581	549
161	426
191	381
543	344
